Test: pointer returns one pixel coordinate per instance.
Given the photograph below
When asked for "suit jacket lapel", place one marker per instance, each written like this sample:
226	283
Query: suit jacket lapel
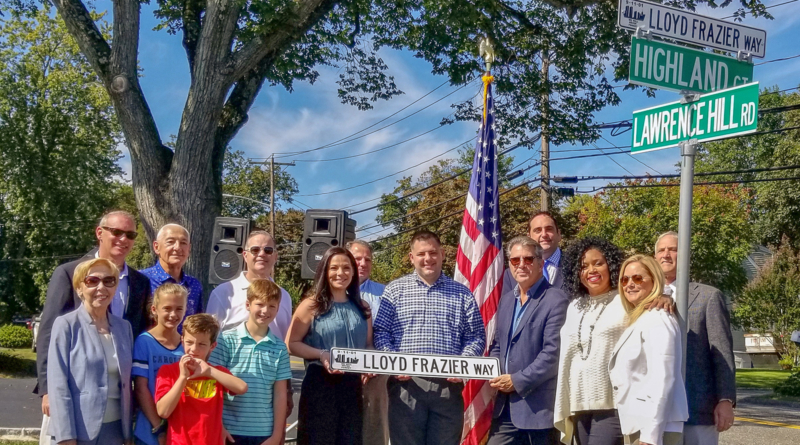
693	293
535	299
627	333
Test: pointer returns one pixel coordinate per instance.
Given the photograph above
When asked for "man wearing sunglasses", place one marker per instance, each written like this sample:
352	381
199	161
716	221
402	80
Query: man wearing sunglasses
115	235
172	246
526	341
710	369
227	301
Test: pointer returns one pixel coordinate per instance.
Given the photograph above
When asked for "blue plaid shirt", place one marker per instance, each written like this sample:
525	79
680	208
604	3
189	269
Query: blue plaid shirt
158	276
416	318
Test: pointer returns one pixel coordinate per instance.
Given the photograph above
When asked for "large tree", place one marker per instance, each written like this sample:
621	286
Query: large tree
234	46
58	154
633	216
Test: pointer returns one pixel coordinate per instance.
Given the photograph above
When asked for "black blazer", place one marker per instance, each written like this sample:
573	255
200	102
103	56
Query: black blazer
62	298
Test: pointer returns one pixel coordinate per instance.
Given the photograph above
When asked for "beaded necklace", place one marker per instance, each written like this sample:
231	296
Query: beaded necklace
591	328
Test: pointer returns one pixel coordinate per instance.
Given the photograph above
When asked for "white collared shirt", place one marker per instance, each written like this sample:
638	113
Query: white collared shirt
120	301
227	304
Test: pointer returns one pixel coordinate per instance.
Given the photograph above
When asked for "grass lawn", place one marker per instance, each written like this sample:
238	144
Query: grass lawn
17	363
17	442
760	378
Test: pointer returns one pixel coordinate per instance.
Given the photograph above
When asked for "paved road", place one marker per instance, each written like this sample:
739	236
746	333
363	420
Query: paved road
755	424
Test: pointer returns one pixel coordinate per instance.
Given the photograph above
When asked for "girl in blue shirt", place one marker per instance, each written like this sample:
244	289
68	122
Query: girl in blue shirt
159	346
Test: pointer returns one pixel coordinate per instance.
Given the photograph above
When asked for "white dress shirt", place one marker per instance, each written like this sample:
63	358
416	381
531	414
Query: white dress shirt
227	304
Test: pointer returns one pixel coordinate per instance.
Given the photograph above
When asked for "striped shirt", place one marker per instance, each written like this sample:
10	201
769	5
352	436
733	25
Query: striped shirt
260	364
421	319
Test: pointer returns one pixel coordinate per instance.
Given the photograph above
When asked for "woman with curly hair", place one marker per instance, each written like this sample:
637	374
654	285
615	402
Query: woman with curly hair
595	321
333	315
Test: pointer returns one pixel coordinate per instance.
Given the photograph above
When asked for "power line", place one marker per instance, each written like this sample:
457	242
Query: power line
715	173
354	138
741	181
768	7
390	175
59	257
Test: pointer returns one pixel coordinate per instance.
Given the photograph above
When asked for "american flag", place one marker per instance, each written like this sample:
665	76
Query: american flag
480	262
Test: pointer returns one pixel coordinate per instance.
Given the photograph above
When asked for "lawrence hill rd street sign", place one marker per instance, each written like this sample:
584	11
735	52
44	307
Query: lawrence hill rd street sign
677	68
713	116
689	27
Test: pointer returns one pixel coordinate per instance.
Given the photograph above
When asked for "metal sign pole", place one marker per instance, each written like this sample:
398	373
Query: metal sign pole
688	150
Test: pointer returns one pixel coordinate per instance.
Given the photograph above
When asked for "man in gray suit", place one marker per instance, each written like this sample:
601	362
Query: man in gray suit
710	372
543	228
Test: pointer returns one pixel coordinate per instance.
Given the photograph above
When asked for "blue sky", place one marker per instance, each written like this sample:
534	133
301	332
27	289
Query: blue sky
312	116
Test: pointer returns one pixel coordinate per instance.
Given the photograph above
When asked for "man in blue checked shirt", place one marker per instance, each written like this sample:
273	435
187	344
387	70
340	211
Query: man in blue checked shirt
172	246
427	312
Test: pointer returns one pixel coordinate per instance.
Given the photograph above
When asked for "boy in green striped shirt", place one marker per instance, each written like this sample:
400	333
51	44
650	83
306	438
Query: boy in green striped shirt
255	355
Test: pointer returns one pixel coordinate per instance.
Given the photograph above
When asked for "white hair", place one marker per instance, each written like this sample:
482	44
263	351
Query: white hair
162	232
670	233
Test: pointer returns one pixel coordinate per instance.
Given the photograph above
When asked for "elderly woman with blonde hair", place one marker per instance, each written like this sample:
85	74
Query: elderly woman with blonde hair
89	370
645	367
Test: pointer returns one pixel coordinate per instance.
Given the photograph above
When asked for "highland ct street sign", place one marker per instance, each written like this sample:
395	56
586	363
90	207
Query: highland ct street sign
677	68
686	26
712	116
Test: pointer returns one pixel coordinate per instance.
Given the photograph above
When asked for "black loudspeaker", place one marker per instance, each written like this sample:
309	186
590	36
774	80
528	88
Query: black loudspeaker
323	229
230	235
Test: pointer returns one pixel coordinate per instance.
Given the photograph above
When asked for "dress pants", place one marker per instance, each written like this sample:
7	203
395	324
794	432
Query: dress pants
599	427
110	434
376	411
700	435
330	411
503	432
425	411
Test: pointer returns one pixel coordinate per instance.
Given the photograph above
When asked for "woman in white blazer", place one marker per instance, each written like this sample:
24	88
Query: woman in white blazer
645	368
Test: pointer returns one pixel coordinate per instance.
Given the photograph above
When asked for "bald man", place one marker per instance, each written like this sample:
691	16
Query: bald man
172	246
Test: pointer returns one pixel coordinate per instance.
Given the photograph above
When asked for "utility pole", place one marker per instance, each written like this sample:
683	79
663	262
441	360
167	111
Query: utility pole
272	165
545	75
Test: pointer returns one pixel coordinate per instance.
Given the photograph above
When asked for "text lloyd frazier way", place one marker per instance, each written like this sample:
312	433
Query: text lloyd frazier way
424	365
700	30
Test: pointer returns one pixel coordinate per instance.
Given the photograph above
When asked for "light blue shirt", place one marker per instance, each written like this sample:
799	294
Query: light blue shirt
519	310
371	292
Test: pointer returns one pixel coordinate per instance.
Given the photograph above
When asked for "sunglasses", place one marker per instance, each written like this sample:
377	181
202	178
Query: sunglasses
517	260
637	279
92	282
255	250
131	235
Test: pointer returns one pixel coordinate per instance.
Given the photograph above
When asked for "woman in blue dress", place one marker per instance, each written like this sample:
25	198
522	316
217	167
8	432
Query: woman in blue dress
332	315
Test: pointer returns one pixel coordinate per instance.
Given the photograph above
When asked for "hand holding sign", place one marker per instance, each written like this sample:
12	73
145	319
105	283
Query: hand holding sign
503	384
403	366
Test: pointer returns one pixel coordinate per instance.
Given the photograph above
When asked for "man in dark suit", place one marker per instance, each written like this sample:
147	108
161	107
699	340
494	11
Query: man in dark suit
526	341
710	370
115	234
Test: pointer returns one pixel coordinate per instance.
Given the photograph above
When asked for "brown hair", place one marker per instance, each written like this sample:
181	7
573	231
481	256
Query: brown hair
170	289
82	271
543	213
424	235
263	290
202	324
321	295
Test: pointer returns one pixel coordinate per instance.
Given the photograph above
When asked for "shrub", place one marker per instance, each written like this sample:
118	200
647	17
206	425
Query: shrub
15	337
790	386
12	364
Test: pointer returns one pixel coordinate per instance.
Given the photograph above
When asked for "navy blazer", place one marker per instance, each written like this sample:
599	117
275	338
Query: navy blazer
78	376
532	357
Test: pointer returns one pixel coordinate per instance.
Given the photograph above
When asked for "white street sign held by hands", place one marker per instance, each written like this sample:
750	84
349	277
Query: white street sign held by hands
687	26
422	365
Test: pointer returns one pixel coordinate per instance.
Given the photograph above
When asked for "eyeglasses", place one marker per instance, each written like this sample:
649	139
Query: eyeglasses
131	235
637	279
255	250
517	260
92	282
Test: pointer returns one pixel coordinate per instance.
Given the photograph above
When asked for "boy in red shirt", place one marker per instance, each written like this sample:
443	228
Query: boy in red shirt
189	393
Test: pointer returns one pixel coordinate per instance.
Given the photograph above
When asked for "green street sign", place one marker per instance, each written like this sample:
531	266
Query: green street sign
713	116
677	68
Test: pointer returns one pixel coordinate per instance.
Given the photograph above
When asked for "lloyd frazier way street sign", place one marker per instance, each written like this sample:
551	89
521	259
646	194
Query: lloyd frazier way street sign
441	366
677	68
713	116
689	27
